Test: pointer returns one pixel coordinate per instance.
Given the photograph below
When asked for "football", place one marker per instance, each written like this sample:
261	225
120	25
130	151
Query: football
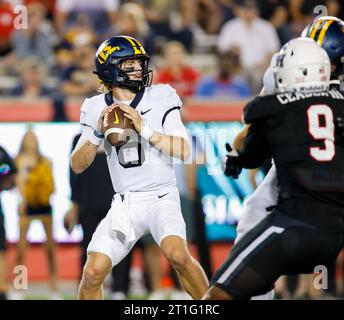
117	128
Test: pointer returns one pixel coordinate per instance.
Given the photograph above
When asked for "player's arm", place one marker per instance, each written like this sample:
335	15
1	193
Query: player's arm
268	88
240	137
255	147
251	155
174	145
87	146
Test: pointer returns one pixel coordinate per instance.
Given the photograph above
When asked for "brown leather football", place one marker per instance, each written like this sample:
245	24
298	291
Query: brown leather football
117	128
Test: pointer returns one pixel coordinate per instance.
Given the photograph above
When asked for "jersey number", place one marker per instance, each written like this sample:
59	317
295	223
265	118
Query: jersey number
321	130
131	154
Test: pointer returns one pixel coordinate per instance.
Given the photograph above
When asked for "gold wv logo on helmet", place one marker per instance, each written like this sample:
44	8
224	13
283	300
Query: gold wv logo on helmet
105	52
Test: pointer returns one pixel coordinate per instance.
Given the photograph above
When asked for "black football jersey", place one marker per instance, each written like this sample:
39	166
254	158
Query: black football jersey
300	132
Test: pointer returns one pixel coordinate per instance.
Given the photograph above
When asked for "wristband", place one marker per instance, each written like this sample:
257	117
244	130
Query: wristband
98	134
147	132
96	138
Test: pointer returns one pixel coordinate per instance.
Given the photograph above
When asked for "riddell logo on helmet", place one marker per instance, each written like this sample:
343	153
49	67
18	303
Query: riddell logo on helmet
105	52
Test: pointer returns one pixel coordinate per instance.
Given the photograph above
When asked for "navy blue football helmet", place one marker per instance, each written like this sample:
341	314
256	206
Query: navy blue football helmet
328	32
109	56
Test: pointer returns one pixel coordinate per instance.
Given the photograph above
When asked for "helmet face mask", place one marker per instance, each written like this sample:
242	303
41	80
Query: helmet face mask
109	58
302	66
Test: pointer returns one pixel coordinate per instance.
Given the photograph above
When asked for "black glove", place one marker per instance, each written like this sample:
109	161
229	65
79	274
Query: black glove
231	164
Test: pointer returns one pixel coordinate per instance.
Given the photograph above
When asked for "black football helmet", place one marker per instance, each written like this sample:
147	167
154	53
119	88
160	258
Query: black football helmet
328	32
109	56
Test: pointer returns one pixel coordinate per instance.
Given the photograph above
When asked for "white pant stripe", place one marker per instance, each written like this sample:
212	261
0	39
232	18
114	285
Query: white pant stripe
266	234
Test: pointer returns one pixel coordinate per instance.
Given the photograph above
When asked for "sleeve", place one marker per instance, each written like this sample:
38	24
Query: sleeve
257	109
173	125
171	121
88	117
86	131
255	149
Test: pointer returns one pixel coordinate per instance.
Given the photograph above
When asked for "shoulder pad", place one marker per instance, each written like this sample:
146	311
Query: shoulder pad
259	108
91	109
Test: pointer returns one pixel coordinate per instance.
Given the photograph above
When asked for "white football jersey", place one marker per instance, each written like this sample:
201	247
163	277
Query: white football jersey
138	166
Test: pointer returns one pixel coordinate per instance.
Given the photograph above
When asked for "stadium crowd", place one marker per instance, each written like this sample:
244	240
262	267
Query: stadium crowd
205	48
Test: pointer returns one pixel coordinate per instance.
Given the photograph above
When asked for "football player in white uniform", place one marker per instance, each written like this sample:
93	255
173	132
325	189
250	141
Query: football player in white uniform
142	173
328	32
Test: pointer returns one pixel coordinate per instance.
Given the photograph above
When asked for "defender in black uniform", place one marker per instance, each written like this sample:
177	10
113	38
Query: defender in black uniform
298	128
7	171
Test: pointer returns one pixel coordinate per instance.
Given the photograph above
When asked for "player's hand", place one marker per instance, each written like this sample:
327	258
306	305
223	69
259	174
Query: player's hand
231	164
71	218
134	116
101	118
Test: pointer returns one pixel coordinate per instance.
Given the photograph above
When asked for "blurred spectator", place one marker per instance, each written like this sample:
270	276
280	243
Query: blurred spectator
35	184
48	4
335	8
303	12
176	71
32	73
276	11
227	83
227	9
82	25
63	57
256	38
7	171
212	14
209	16
100	14
37	40
6	26
172	20
77	79
132	22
